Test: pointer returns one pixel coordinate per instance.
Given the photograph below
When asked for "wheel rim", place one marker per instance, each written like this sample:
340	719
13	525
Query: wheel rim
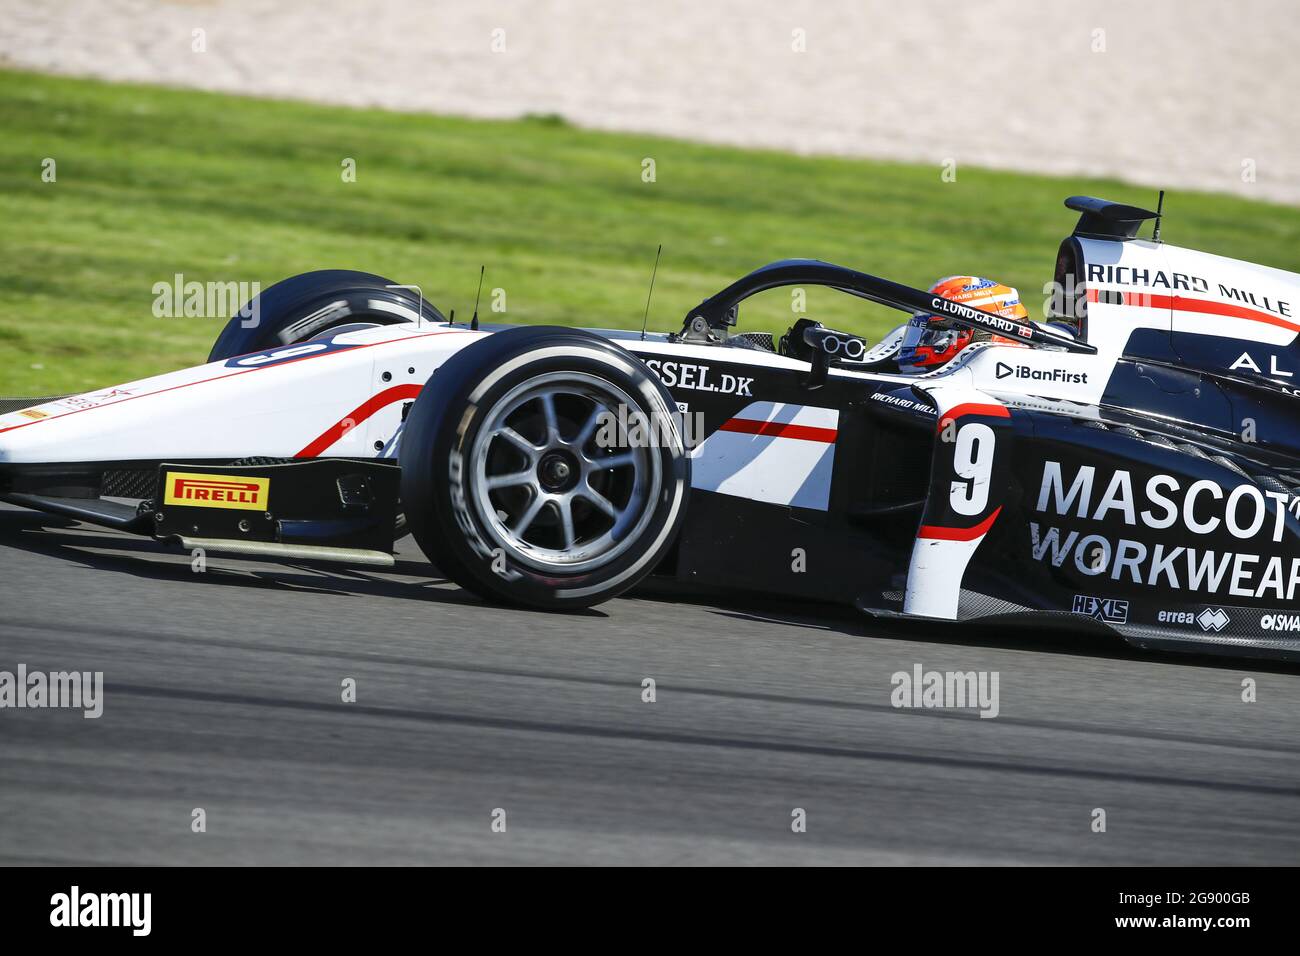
550	495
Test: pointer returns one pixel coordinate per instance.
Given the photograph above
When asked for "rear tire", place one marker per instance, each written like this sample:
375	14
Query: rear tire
507	482
309	305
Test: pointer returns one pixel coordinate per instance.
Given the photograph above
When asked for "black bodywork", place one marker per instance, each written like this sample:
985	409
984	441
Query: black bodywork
1221	573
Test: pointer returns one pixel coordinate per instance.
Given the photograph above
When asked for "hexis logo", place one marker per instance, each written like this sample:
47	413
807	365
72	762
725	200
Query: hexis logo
1106	610
1213	619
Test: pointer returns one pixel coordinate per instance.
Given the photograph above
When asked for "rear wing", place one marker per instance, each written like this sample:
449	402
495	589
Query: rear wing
1103	219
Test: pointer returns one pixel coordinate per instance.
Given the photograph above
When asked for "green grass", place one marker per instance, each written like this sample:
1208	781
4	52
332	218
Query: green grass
152	182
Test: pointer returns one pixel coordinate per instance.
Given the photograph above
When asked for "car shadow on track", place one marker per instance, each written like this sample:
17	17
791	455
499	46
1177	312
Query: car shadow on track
85	545
764	609
101	549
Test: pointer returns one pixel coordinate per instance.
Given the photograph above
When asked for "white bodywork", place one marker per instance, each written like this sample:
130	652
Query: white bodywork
1170	288
344	396
328	398
773	452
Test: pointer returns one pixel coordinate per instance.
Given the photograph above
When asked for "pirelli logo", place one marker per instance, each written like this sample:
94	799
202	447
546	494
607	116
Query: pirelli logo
217	491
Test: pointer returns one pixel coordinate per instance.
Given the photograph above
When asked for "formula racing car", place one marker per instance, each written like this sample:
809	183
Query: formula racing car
1130	465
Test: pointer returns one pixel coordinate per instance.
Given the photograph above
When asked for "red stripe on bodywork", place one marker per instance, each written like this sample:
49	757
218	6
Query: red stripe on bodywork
359	414
748	426
1179	303
219	378
973	408
934	532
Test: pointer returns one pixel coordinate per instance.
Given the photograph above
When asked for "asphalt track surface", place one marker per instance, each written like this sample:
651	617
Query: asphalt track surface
223	691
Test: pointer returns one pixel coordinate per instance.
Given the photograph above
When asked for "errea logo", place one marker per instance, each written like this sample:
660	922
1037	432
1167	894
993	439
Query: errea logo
1213	619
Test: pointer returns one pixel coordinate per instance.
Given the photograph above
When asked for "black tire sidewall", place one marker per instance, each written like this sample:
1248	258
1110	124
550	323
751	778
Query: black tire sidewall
289	302
435	456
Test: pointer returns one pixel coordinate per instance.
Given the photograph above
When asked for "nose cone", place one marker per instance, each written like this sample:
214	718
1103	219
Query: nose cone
106	425
16	415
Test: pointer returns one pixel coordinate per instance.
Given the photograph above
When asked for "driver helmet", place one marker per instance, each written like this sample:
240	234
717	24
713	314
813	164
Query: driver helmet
930	341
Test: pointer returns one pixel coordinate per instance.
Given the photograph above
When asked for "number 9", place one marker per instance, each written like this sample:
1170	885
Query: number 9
973	463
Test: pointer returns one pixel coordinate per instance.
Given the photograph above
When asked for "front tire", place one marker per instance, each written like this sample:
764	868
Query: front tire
511	484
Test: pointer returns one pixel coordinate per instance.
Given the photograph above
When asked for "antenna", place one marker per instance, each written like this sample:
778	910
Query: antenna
645	320
473	323
1160	207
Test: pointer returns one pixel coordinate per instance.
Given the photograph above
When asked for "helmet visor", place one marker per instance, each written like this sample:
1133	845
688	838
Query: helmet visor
925	344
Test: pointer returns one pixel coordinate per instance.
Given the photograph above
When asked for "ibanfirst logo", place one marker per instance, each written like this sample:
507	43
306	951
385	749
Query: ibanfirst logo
1030	374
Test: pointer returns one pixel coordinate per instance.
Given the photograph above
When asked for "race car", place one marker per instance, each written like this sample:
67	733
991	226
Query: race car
1131	465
